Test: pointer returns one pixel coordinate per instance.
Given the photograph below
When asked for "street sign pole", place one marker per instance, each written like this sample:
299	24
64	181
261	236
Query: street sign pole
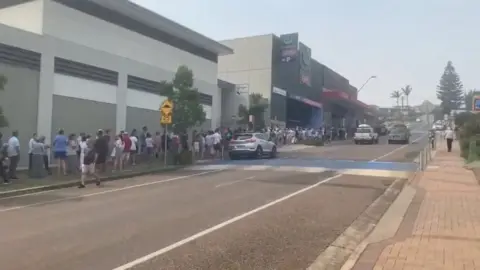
165	151
166	119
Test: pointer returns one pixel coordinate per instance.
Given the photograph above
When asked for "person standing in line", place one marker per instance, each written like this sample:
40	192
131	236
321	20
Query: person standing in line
217	143
149	144
72	156
4	161
142	141
79	150
117	153
30	148
100	149
127	148
449	136
60	144
133	147
158	144
46	162
13	155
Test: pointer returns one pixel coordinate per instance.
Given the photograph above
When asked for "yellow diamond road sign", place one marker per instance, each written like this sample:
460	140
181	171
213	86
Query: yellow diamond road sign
166	112
167	107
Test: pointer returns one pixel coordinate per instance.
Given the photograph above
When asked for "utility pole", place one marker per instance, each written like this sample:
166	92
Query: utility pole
401	108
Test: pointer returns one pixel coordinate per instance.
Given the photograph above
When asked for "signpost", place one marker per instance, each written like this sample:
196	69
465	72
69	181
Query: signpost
166	119
476	104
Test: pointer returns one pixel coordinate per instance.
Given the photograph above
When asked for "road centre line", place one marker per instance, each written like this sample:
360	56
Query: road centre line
234	182
219	226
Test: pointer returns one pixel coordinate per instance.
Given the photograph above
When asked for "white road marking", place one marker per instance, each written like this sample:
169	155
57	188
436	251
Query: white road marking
398	148
234	182
103	192
219	226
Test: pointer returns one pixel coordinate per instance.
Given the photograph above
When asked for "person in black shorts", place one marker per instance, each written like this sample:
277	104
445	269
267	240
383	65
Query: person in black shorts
101	149
88	168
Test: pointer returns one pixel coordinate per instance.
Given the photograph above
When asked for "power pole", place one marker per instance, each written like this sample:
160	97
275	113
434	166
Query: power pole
401	109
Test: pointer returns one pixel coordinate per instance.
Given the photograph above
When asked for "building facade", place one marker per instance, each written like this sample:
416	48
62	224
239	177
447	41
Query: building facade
282	69
84	65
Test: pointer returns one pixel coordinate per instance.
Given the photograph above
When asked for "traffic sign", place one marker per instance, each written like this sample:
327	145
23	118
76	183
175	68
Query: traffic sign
166	119
167	107
166	112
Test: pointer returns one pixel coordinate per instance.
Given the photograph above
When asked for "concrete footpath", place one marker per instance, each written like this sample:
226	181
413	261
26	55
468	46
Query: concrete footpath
433	224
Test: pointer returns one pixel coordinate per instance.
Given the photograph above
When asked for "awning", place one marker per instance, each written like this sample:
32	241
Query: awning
345	99
306	101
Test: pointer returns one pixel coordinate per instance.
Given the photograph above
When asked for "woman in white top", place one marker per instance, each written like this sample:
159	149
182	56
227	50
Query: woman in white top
83	149
117	153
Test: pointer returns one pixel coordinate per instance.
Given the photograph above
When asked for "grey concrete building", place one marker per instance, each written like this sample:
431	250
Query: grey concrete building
84	65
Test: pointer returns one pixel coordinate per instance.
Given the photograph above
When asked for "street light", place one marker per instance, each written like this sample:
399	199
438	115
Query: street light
361	87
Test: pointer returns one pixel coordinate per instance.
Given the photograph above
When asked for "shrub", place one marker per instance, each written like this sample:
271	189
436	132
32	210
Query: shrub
469	130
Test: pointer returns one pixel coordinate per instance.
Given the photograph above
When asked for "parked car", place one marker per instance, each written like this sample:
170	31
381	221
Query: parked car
256	145
365	134
399	134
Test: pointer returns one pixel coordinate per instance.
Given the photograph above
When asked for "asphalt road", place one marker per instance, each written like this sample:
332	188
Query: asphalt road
225	219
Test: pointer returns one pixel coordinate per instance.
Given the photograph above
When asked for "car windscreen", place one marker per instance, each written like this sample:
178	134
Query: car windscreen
241	137
398	130
363	130
397	126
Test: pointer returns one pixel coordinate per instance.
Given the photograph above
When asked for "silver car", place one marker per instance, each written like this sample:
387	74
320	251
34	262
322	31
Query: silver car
399	134
253	144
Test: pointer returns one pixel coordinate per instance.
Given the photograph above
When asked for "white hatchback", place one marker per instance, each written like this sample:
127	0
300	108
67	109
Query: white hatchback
365	134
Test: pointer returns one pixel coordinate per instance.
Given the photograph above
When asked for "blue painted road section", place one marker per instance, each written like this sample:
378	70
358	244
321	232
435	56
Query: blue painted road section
325	163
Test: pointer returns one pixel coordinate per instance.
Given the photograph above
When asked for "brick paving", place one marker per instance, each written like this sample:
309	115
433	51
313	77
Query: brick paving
446	231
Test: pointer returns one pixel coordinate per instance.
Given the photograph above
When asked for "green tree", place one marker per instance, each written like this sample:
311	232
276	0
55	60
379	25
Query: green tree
3	118
450	89
396	95
407	90
257	108
187	110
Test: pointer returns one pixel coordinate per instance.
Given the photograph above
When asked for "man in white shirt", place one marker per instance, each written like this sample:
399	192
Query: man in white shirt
13	154
209	143
217	139
30	148
449	135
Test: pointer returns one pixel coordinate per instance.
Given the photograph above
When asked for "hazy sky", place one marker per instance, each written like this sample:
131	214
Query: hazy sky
401	42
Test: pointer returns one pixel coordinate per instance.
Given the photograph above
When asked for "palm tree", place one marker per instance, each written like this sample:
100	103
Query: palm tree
407	90
396	95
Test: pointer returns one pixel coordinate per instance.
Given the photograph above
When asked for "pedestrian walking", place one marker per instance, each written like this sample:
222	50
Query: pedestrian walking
449	136
88	167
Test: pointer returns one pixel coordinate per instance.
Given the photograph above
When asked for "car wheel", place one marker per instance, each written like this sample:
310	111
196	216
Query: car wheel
259	152
273	154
